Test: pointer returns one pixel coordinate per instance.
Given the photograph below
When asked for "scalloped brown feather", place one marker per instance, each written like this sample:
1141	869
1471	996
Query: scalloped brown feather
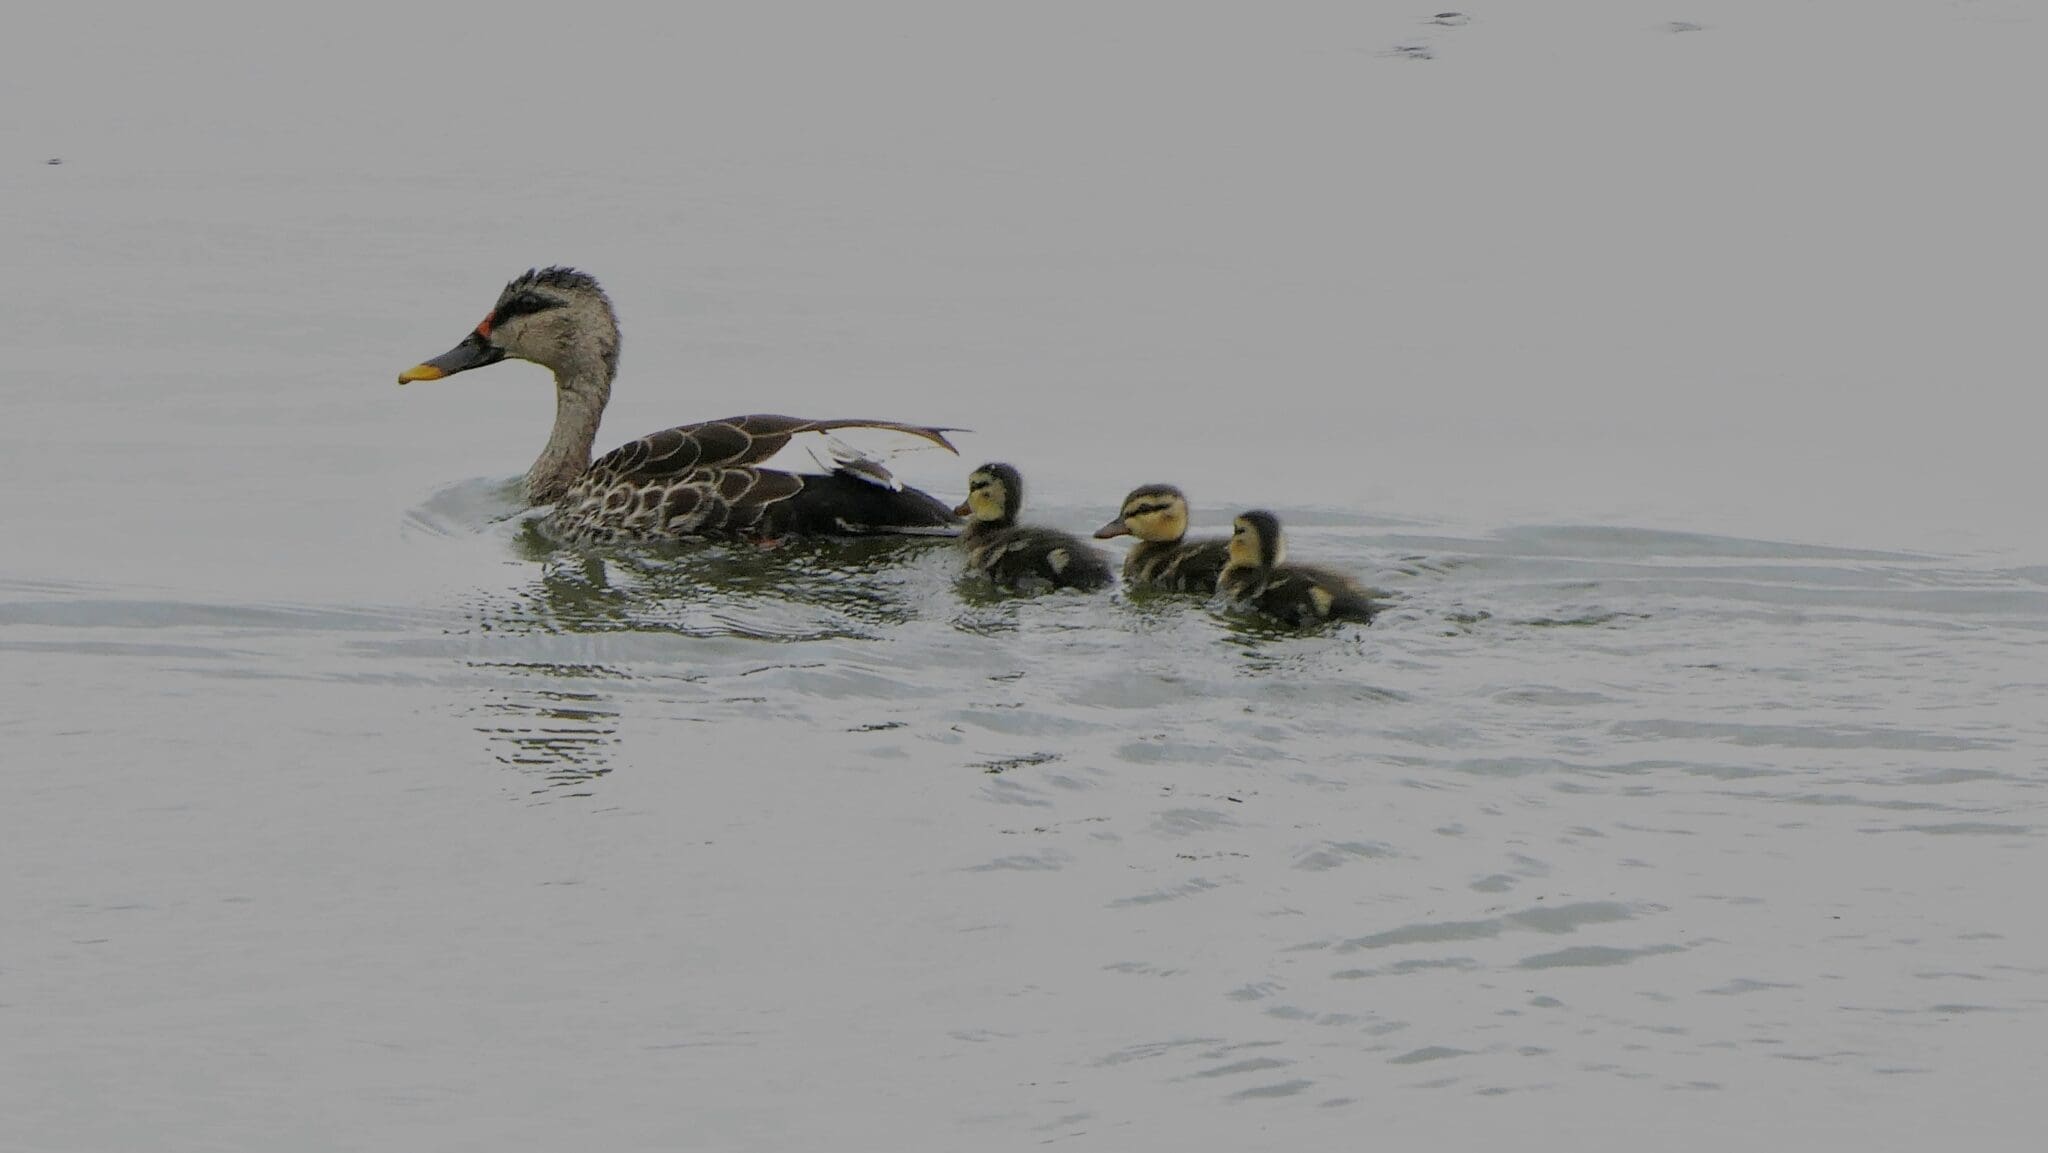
698	479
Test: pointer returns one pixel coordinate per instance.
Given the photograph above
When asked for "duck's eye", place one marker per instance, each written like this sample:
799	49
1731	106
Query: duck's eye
520	306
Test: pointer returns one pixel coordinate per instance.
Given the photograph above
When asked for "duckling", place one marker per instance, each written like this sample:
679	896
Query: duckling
1259	578
1164	560
1021	556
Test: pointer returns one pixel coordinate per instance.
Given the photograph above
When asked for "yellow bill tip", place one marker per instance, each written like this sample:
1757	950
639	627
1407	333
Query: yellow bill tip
420	372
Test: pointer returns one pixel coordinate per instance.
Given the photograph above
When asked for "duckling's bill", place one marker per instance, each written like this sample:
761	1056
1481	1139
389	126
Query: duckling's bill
964	509
1114	528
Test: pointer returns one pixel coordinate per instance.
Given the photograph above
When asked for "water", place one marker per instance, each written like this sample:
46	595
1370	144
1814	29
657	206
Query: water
1690	789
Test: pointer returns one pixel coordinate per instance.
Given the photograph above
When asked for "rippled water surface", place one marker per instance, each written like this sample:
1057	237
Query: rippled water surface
1588	811
1688	792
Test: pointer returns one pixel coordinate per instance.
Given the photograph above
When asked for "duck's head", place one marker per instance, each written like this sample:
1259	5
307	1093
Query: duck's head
1153	512
994	494
1255	540
555	317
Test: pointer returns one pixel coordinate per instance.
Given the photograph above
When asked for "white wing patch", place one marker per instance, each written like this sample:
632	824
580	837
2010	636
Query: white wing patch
844	458
854	463
861	453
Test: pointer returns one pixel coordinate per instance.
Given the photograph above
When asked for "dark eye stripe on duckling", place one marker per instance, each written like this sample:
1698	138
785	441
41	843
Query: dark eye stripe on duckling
1146	509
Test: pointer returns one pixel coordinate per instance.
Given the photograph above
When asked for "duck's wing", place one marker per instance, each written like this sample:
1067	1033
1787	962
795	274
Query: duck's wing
736	442
706	479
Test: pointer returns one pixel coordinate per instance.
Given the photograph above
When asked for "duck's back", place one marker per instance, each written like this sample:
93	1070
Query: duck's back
1026	556
711	479
1181	566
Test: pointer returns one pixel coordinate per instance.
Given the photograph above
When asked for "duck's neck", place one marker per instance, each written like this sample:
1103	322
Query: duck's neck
580	395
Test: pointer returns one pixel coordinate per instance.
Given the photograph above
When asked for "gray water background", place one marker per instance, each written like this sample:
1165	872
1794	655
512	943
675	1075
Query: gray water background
1671	369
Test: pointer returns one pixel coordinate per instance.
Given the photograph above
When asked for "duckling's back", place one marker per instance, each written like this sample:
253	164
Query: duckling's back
1181	566
1301	595
1027	556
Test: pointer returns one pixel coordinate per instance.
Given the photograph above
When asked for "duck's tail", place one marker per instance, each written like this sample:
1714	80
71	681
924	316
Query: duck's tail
843	504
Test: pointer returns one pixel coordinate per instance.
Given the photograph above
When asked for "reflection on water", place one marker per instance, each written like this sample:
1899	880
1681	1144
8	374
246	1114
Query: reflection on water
564	735
796	590
569	744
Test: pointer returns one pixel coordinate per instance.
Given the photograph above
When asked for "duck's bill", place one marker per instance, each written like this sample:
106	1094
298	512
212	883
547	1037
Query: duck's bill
473	352
963	510
1116	527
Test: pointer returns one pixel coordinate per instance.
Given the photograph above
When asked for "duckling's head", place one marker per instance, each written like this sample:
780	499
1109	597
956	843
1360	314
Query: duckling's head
555	317
1154	512
994	494
1255	540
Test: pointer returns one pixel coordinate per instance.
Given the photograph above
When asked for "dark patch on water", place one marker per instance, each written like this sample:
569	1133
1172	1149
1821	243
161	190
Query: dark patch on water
1005	764
1282	1089
1428	1053
1593	956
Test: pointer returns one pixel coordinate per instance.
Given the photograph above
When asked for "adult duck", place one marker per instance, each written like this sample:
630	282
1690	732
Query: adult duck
693	480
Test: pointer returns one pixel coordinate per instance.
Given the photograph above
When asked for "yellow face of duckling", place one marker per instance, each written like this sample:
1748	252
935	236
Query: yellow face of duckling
1156	512
990	494
1255	541
1244	545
